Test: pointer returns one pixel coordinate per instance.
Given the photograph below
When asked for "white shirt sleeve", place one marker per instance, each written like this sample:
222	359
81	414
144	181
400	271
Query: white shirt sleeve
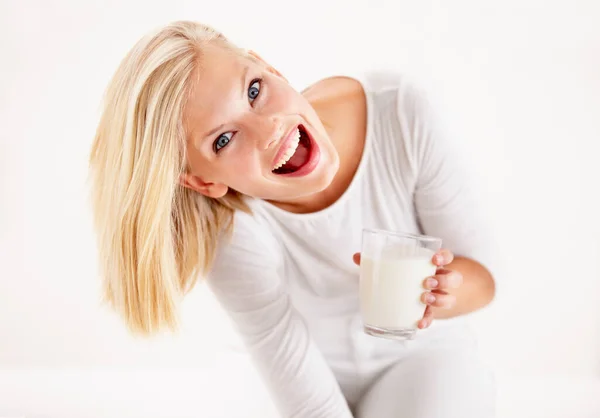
446	201
246	279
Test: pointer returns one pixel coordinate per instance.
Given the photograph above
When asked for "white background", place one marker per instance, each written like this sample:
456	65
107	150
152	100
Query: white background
518	80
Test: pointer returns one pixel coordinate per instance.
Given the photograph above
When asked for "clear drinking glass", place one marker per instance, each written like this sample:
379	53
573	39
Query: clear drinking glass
393	267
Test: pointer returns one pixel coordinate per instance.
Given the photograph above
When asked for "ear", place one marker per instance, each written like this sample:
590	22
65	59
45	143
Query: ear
269	68
214	190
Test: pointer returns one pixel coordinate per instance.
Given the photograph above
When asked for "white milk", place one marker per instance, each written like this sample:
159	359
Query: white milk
391	288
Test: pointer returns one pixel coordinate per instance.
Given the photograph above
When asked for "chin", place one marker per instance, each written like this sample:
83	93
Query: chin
319	180
329	172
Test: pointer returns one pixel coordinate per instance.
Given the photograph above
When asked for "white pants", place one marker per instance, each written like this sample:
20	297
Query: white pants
433	384
435	376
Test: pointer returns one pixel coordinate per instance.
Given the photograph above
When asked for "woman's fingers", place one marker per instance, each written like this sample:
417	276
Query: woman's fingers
443	257
444	279
438	299
427	318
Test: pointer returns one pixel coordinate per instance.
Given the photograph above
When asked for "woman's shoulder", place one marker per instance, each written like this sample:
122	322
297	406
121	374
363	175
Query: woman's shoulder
369	81
338	90
246	260
249	236
349	94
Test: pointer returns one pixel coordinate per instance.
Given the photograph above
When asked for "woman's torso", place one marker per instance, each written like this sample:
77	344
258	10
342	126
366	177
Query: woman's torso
317	247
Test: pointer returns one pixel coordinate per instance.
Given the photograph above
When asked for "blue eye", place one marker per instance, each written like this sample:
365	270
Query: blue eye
254	89
222	141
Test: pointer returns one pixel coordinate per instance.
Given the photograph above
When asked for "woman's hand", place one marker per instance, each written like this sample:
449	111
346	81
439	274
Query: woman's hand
438	287
437	295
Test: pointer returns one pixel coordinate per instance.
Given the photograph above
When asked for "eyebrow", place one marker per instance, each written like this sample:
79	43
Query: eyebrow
243	88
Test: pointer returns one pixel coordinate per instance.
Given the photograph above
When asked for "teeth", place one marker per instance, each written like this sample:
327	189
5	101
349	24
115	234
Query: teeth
291	149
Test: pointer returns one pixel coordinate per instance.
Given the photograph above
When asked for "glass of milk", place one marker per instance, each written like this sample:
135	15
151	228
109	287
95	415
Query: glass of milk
393	267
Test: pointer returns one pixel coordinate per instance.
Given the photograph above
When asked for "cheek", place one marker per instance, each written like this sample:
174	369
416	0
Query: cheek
244	168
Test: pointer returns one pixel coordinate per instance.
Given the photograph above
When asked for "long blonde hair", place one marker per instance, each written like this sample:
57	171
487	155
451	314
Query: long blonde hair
154	236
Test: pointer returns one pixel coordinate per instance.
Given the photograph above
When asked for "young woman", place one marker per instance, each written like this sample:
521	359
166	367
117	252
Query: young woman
208	163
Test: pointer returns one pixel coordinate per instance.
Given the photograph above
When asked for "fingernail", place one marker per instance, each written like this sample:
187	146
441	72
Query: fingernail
430	298
432	283
439	259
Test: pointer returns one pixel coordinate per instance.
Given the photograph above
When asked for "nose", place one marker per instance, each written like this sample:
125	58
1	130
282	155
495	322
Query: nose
267	130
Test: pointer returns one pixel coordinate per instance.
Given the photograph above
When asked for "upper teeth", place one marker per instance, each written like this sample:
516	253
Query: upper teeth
291	147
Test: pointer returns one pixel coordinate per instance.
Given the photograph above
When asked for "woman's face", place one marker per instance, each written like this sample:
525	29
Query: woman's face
249	130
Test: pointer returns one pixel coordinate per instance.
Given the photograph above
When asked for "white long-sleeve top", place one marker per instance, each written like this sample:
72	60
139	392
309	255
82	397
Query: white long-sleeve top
288	281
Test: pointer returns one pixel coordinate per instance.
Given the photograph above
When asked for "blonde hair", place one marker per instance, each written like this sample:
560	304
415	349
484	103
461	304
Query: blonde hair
154	236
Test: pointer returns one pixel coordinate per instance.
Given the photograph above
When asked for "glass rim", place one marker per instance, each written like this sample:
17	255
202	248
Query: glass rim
426	238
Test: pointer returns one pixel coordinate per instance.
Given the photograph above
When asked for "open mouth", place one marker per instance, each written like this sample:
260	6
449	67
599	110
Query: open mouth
295	153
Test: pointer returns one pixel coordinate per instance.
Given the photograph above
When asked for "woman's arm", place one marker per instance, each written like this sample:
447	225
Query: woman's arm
447	206
246	279
476	291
